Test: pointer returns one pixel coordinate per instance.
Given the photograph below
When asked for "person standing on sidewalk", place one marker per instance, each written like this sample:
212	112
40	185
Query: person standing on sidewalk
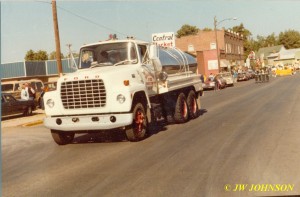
30	90
24	93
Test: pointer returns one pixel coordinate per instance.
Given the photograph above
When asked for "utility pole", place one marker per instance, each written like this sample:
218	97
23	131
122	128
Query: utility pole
57	41
217	47
216	23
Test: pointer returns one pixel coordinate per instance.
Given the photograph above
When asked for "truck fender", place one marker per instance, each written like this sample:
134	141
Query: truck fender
141	96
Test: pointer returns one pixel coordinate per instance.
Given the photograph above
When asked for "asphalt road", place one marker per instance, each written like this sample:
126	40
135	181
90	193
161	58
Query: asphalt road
247	134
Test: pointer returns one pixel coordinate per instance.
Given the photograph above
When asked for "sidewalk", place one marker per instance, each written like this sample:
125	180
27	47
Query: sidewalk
35	119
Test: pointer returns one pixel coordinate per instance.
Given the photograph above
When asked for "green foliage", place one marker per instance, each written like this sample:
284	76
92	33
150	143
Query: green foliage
242	31
271	40
248	44
187	30
41	55
52	55
30	55
290	39
207	29
36	56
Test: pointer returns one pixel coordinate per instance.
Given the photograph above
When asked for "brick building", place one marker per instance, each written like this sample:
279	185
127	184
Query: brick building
203	46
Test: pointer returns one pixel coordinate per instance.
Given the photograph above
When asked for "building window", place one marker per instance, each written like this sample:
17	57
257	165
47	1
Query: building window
213	45
191	48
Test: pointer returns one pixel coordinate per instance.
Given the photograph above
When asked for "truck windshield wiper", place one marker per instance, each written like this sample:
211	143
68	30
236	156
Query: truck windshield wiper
125	61
101	64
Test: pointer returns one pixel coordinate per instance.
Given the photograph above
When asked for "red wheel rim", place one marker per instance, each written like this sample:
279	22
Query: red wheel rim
139	120
185	110
194	106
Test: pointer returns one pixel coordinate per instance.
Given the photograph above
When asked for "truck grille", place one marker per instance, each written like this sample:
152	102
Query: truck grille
83	94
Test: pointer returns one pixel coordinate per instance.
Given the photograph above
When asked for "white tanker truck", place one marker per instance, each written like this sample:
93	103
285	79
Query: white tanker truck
123	84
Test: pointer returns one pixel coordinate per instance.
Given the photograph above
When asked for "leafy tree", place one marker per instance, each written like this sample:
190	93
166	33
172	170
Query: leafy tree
206	29
187	30
30	55
248	43
242	31
52	55
271	40
41	55
36	56
290	39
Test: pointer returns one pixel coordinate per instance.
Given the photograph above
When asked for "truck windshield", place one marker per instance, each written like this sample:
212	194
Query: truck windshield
111	54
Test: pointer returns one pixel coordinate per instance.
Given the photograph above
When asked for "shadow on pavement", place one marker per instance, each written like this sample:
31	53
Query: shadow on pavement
118	135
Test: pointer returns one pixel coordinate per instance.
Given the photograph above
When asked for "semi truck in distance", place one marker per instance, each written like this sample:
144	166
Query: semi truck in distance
123	84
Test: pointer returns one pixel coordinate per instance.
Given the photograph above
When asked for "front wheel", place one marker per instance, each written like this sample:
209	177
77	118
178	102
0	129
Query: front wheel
138	129
62	138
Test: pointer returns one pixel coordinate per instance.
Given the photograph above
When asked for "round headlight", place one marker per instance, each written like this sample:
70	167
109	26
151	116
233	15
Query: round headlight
50	103
121	98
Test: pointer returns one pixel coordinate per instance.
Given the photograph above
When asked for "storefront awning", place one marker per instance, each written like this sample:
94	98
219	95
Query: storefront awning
225	64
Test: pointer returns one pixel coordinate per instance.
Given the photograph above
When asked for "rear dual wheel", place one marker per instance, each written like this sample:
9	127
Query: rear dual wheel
186	108
181	109
192	105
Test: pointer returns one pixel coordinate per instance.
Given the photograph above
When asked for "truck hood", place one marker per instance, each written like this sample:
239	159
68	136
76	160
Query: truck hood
108	70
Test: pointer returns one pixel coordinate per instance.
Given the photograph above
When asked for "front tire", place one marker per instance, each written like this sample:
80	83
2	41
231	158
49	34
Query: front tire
62	138
138	129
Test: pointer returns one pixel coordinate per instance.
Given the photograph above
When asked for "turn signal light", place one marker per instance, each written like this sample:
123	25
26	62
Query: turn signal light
126	82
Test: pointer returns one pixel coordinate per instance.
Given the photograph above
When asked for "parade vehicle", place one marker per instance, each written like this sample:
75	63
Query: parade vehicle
123	84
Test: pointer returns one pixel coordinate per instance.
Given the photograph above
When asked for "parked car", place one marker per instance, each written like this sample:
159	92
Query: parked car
11	106
208	84
242	77
251	73
14	87
51	85
228	78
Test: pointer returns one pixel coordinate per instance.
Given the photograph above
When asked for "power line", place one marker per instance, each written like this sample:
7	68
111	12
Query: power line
84	18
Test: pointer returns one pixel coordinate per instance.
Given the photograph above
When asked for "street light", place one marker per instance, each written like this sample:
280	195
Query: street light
216	23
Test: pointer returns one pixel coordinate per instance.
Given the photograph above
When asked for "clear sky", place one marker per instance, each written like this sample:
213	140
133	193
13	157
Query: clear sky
28	25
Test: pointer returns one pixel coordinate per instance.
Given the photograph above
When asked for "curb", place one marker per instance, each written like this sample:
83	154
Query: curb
33	123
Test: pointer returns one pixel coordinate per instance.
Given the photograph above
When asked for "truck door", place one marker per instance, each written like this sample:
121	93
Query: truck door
148	69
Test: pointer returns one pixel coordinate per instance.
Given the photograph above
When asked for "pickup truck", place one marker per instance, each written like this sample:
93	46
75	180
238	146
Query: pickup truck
11	106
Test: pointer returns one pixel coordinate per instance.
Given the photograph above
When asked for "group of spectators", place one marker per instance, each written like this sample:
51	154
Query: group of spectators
29	93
